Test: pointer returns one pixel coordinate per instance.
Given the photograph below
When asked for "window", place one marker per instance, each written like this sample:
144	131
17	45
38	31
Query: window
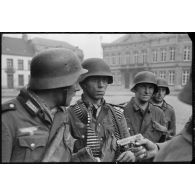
29	61
172	54
118	59
21	80
136	57
163	74
20	65
10	64
163	55
186	53
155	73
185	76
110	60
171	77
113	59
155	56
127	57
123	59
117	78
144	56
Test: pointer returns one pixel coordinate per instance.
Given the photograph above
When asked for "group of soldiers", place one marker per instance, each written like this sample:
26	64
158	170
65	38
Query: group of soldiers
39	125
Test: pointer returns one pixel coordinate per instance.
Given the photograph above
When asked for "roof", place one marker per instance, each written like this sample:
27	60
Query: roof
16	46
51	43
135	37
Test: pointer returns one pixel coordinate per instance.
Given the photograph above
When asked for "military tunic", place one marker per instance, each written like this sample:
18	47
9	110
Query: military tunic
179	149
170	118
104	126
140	122
26	124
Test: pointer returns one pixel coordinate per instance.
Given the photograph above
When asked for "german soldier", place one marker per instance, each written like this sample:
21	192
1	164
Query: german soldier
158	100
34	123
96	125
179	148
142	116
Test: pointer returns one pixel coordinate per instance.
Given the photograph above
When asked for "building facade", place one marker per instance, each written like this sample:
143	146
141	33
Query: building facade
15	62
167	55
17	54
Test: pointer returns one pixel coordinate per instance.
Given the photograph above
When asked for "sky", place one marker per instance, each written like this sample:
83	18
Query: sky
89	43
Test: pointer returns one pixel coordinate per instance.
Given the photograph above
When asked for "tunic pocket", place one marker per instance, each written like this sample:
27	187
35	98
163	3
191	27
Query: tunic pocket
33	142
31	148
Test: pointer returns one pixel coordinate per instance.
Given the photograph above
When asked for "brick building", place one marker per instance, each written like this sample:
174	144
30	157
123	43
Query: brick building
167	55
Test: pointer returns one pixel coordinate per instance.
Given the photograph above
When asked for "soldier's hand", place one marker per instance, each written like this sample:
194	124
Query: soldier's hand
159	127
126	156
149	151
139	151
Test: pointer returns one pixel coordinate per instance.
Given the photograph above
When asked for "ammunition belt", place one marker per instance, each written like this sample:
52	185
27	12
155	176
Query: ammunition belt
92	139
116	131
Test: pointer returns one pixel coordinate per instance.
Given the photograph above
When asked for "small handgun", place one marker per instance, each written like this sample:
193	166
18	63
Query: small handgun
129	142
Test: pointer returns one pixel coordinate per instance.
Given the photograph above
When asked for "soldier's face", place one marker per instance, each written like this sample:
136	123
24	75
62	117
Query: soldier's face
159	96
143	92
95	87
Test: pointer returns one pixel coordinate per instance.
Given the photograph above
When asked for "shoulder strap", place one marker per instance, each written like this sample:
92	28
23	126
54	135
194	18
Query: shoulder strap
8	107
118	130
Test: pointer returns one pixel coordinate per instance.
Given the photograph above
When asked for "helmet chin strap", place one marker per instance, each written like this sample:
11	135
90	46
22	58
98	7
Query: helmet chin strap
65	97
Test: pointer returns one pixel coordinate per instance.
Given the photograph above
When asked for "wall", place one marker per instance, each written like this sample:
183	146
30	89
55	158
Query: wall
25	72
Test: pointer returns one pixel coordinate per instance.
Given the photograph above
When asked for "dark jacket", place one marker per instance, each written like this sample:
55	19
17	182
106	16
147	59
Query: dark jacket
103	125
179	149
26	124
143	123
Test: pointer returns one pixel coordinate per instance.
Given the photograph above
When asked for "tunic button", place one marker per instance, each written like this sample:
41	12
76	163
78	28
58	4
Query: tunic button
11	105
32	145
83	136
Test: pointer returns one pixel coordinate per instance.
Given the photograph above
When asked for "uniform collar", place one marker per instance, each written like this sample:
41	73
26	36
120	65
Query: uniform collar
36	105
137	108
89	104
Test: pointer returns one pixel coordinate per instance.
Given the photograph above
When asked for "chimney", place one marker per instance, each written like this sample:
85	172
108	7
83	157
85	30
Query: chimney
25	37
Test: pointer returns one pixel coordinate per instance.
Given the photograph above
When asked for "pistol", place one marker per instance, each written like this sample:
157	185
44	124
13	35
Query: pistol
128	143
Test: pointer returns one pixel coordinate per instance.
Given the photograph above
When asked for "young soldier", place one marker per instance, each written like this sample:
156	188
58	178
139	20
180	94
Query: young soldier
95	124
158	100
142	116
34	124
179	148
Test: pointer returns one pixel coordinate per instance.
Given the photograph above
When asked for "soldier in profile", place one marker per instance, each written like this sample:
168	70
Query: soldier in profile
35	123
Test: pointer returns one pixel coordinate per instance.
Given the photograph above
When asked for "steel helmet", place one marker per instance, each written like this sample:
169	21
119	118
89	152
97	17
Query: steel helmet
54	68
96	67
163	83
145	77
